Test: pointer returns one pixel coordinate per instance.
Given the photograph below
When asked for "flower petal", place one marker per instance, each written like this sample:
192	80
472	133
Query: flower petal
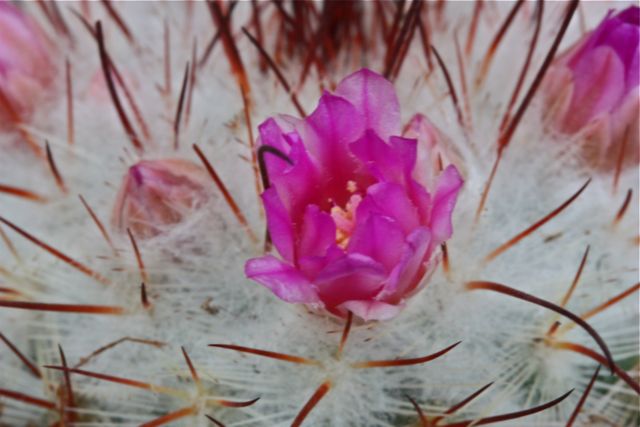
622	34
372	310
378	237
282	279
429	150
375	99
598	87
311	266
391	200
351	277
387	162
279	224
444	200
317	233
327	133
273	136
298	183
407	274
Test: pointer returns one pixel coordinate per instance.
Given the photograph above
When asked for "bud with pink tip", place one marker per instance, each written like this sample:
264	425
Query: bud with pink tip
26	67
593	87
157	194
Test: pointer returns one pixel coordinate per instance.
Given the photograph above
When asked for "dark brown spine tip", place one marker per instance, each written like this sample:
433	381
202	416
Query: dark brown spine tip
214	421
583	398
107	69
143	296
403	362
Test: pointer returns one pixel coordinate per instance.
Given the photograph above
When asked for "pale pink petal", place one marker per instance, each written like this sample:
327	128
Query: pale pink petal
26	65
375	99
372	310
444	200
421	199
558	92
282	279
421	128
430	150
157	194
627	117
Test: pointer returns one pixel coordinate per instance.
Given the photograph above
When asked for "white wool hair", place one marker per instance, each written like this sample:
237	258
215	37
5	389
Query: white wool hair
196	285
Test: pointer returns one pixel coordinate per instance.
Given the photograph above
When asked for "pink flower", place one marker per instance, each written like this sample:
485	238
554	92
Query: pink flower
354	225
157	194
25	64
594	86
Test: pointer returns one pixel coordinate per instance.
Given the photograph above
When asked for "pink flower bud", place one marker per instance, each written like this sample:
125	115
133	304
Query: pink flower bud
352	218
432	153
593	88
26	67
156	194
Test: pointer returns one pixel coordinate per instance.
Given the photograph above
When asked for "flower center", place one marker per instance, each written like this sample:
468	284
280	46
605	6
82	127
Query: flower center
345	219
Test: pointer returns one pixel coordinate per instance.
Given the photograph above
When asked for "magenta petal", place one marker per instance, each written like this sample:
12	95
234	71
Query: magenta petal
605	67
352	277
598	87
317	234
387	162
332	125
407	150
283	280
372	310
406	276
444	200
630	15
378	237
300	184
622	34
311	266
327	133
279	224
390	200
272	135
297	184
375	99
